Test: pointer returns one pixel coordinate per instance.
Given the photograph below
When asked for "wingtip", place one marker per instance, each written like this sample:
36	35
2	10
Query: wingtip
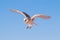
49	16
13	10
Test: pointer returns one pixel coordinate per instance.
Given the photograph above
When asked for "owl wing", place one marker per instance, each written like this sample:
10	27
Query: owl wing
40	16
20	12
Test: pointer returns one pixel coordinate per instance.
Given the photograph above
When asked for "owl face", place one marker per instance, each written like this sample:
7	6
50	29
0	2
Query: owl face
26	20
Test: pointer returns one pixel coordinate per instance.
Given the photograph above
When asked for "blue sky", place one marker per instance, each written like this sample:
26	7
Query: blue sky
12	25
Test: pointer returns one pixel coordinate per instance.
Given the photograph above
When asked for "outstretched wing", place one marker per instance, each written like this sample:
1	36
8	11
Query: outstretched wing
20	12
40	16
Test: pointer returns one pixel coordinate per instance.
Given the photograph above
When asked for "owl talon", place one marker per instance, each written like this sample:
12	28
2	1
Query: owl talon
28	27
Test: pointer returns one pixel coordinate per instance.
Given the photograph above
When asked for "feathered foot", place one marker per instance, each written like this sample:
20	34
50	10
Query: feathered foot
28	27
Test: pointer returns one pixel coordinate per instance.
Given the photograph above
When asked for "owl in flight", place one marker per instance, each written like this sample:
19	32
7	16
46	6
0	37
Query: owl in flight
29	20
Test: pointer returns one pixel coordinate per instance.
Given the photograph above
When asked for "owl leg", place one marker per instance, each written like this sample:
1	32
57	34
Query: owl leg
29	27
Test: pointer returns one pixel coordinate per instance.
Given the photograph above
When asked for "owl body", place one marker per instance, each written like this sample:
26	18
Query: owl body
28	21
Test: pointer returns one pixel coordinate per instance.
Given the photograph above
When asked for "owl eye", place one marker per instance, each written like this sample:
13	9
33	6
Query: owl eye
25	20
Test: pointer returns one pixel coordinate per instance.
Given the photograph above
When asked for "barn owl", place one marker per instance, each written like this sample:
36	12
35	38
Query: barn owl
30	20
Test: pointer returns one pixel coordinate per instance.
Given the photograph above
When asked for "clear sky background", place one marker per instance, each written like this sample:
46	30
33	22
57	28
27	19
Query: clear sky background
12	25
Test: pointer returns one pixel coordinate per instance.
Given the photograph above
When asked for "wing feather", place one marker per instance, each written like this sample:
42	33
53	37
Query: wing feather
20	12
40	16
